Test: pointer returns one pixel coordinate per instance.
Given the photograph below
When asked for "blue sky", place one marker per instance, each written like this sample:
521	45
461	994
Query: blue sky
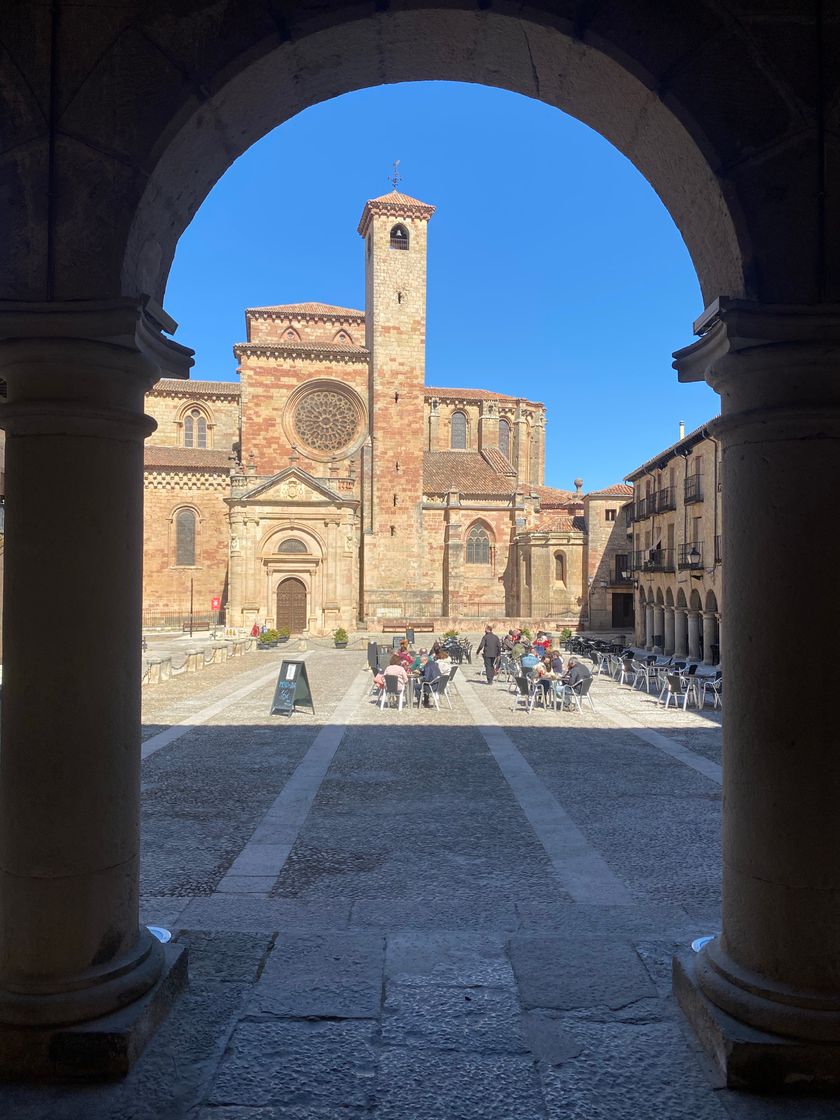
554	270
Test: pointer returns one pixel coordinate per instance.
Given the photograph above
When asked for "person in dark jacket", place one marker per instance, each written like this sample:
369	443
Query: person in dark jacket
491	648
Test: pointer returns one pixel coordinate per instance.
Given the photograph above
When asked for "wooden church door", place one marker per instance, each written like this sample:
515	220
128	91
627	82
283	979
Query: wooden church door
291	605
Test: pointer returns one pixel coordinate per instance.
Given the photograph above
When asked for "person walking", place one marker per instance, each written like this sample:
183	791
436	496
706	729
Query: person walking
491	648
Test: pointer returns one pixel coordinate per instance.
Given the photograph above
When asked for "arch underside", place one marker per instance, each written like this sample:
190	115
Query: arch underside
690	95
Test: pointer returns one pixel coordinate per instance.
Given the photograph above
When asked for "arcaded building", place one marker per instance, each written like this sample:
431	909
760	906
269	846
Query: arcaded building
332	487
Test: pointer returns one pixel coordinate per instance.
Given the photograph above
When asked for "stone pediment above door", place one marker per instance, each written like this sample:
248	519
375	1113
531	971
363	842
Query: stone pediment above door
293	485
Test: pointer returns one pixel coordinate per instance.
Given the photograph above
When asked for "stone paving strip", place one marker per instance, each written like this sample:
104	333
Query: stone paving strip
581	870
258	865
664	743
164	738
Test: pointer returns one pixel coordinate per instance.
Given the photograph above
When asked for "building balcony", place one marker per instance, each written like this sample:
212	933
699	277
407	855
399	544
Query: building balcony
690	555
666	499
659	560
693	489
645	508
623	575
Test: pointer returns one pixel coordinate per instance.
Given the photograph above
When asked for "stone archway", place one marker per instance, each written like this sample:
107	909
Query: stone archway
109	150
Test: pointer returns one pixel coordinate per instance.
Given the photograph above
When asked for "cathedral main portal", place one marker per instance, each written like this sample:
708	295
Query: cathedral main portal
291	605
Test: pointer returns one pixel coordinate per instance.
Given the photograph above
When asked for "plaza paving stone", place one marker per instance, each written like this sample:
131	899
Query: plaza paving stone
419	951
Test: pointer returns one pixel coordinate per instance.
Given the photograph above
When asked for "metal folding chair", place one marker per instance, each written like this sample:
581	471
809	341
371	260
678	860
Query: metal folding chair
391	692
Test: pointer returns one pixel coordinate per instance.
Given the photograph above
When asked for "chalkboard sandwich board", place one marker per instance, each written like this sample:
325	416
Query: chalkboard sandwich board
292	689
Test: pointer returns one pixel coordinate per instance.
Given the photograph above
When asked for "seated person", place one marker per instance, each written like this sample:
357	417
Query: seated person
542	674
508	642
575	673
556	662
420	660
406	656
529	662
396	669
430	675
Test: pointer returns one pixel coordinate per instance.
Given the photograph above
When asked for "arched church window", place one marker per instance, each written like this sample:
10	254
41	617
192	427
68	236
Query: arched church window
478	546
185	537
458	431
559	567
399	237
293	544
504	438
195	428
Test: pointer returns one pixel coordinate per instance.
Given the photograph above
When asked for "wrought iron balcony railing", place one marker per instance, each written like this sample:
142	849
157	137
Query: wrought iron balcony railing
693	489
666	499
690	555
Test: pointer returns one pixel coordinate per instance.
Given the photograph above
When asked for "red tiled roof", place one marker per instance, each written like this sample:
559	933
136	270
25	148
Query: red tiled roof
559	523
551	498
310	310
620	490
186	458
464	471
497	461
478	395
197	388
395	203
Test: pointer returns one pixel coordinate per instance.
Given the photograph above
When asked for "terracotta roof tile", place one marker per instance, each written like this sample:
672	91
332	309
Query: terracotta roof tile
310	310
497	461
551	498
478	395
197	388
620	490
395	203
185	458
559	523
464	471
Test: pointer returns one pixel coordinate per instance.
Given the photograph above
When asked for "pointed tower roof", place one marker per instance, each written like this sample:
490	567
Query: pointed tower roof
394	204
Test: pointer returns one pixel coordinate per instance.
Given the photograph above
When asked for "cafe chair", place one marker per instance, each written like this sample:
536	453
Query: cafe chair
432	689
445	689
574	693
522	696
392	692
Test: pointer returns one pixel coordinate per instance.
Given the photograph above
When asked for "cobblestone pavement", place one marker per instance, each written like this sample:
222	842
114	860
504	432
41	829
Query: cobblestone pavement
422	915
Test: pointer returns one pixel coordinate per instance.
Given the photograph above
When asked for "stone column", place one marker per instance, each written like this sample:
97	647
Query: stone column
71	946
658	628
649	626
709	637
669	631
774	966
694	635
680	632
433	439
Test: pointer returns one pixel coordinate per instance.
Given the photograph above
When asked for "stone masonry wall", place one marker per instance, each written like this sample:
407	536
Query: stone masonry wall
166	586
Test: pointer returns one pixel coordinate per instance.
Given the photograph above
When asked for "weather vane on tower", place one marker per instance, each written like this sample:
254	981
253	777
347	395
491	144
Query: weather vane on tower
395	176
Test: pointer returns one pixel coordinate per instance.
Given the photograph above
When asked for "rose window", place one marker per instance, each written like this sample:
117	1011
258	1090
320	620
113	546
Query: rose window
326	420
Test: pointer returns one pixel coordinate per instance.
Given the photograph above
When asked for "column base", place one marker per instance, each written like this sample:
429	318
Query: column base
101	1049
749	1058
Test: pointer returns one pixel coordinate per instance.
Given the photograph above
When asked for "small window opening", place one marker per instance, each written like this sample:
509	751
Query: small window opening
399	297
609	515
399	237
395	500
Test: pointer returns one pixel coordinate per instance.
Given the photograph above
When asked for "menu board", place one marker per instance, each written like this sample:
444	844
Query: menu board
292	689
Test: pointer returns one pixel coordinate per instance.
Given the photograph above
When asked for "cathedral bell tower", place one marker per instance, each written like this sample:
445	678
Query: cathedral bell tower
394	228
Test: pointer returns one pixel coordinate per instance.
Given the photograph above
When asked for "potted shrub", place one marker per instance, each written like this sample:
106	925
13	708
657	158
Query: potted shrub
526	633
267	640
283	633
451	634
565	634
340	638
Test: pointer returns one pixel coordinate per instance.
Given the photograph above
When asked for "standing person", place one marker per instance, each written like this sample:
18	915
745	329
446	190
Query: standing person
255	630
491	648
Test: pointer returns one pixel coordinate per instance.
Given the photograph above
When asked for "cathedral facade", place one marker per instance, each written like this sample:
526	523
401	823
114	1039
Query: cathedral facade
332	487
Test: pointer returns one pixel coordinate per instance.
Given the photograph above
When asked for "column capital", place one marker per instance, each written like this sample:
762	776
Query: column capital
774	366
85	366
731	326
